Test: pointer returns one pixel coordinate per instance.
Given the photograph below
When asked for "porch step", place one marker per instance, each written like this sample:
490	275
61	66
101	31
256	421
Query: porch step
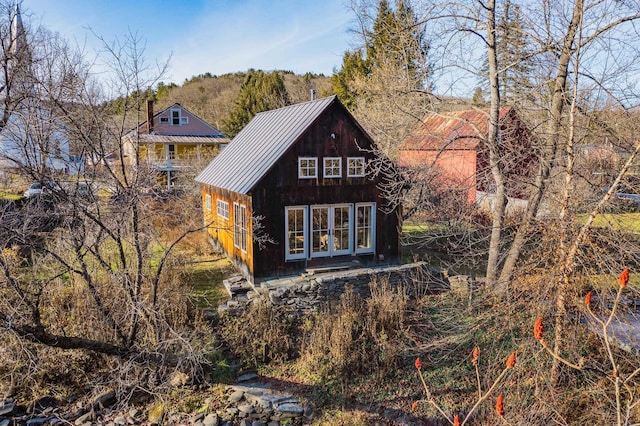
332	267
237	285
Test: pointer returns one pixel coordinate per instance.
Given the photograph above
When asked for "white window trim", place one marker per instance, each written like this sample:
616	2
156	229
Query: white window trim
243	228
349	174
179	111
222	209
325	160
207	201
331	252
236	225
371	249
305	233
300	160
240	227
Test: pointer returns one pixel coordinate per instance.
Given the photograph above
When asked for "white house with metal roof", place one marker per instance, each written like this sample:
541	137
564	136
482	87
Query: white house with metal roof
32	139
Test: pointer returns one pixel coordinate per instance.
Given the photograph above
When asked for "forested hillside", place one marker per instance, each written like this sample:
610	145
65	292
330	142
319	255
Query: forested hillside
213	98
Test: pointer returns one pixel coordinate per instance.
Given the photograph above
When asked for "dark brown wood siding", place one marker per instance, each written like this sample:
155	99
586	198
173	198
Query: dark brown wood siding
281	187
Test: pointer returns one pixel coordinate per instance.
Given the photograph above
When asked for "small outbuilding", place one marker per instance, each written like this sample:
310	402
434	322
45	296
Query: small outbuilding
293	191
453	143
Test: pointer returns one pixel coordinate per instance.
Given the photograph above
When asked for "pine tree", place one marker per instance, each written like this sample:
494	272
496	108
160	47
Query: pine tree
259	92
353	66
398	40
512	50
478	97
395	47
382	39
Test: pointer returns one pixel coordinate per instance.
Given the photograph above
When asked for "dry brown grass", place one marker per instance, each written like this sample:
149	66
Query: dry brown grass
261	334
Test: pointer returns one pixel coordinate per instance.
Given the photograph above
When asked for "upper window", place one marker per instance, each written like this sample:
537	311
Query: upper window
207	202
175	117
222	208
164	119
355	167
332	167
307	167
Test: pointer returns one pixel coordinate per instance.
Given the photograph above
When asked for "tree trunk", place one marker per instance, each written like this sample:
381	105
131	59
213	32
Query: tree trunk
493	143
548	151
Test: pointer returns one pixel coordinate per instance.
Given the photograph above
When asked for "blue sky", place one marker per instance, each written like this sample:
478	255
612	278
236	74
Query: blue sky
216	36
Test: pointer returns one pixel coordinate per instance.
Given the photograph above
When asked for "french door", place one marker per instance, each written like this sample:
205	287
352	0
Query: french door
331	230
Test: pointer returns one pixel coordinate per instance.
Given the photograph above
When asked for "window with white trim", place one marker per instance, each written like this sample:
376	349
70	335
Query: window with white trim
240	226
175	117
365	227
355	167
332	167
222	208
296	232
307	167
164	120
207	202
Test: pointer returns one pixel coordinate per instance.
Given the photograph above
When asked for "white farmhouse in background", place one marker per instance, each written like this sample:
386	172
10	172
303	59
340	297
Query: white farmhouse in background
32	137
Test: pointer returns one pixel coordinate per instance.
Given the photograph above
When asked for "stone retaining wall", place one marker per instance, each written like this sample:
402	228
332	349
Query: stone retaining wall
308	293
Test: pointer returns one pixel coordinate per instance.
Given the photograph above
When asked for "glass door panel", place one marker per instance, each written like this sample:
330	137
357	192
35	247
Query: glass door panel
331	230
296	226
365	219
320	232
341	230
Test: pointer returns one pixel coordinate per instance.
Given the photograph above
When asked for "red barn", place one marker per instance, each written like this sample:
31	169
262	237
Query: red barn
455	144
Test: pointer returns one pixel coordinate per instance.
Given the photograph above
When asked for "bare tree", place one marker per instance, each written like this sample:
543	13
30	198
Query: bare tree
463	36
90	264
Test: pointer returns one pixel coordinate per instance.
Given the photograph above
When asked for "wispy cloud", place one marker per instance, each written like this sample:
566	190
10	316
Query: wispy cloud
295	38
218	36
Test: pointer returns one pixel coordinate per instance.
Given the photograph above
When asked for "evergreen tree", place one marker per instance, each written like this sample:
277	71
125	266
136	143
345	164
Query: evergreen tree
353	66
512	50
395	48
399	41
259	92
478	97
381	40
162	90
513	47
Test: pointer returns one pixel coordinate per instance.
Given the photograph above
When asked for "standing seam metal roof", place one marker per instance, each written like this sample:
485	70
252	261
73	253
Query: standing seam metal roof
257	148
454	130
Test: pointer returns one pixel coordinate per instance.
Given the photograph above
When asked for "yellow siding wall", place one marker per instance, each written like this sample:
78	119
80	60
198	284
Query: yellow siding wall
142	150
222	230
158	151
187	151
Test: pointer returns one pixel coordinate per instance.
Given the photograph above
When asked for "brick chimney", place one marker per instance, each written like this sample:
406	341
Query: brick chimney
149	116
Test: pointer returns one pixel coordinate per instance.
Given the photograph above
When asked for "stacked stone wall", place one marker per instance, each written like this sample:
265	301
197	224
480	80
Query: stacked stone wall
314	292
